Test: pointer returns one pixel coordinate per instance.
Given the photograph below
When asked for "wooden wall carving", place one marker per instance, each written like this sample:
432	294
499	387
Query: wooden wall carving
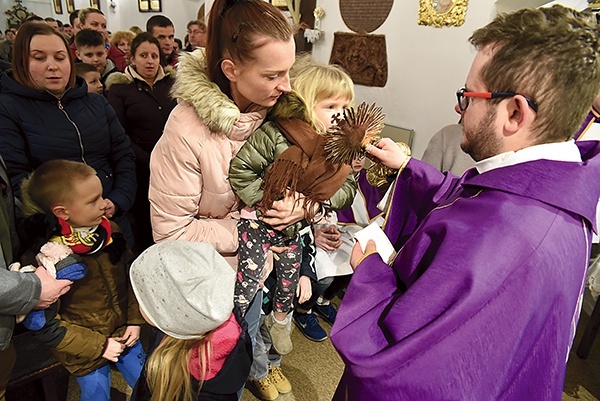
363	56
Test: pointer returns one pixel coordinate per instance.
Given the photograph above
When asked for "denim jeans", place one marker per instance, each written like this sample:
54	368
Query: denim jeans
95	386
252	318
264	353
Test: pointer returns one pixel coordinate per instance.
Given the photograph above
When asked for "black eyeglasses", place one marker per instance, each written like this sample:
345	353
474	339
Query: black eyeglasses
463	98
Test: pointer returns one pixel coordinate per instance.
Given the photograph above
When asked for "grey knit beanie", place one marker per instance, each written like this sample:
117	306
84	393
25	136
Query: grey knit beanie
184	288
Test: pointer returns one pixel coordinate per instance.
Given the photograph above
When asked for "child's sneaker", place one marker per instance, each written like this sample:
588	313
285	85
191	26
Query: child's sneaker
281	383
265	388
327	312
280	336
309	326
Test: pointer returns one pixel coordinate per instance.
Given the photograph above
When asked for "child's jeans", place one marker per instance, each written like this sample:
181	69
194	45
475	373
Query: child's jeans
264	354
255	239
95	386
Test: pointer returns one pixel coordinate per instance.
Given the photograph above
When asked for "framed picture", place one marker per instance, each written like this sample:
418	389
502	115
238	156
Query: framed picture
95	4
156	5
70	6
57	6
147	6
143	6
442	13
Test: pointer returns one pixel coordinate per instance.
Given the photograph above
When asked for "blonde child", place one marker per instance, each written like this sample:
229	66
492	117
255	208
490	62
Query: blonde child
288	152
91	76
185	289
98	320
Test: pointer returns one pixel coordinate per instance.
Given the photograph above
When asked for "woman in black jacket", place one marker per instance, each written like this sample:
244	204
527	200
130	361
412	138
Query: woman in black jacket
140	96
46	113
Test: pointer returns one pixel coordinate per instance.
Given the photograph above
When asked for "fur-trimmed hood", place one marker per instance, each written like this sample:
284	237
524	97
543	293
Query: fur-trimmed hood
127	77
193	86
290	105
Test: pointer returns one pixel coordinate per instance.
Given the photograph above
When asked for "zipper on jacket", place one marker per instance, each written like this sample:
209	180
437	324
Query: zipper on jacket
60	106
111	295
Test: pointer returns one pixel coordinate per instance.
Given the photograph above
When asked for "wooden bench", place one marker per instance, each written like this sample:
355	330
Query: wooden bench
34	362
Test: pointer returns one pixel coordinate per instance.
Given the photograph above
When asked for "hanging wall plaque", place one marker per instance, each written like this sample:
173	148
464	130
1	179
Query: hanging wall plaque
365	16
363	56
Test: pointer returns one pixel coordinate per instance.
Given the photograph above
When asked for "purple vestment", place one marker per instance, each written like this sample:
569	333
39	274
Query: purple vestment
481	301
371	196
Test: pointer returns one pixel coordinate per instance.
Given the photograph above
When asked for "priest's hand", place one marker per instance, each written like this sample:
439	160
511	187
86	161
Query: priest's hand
358	255
387	153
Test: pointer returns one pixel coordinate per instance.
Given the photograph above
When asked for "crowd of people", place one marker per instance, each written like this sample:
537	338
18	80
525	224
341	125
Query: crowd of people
195	184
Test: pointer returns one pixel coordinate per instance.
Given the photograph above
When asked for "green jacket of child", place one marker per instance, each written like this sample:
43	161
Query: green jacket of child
263	147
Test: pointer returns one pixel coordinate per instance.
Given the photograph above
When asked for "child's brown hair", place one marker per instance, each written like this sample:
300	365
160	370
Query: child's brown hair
84	68
51	183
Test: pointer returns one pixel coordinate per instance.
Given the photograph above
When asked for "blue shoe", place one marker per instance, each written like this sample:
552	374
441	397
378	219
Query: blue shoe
310	327
326	312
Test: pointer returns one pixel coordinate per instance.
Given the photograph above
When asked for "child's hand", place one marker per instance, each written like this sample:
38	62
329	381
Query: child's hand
328	239
110	209
113	349
279	249
304	289
131	335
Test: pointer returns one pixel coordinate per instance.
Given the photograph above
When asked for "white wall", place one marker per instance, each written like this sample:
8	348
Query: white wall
123	16
426	65
126	14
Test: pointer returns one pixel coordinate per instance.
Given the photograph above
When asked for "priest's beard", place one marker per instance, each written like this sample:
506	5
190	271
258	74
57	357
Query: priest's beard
481	142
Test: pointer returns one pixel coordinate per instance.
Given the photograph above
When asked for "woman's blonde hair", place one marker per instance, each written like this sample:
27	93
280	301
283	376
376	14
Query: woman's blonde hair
168	371
83	14
116	37
136	29
314	81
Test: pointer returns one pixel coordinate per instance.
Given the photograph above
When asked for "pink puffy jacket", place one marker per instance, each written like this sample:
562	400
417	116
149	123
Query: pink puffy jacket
190	196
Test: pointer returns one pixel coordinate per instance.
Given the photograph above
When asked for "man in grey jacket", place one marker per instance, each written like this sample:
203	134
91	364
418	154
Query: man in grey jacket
19	292
444	152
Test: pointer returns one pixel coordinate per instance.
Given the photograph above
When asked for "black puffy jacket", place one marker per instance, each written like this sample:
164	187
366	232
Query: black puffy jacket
36	126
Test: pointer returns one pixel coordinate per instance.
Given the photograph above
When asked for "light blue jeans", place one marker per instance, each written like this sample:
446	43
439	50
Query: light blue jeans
95	386
264	354
252	318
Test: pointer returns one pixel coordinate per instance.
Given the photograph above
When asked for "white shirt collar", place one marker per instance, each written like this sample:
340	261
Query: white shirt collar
558	151
85	230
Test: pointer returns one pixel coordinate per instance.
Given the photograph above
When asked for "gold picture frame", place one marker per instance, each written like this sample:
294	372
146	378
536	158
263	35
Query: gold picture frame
442	12
70	6
95	4
57	6
148	6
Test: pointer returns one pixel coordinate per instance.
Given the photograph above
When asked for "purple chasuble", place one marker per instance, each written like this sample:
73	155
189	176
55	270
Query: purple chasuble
371	197
481	302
